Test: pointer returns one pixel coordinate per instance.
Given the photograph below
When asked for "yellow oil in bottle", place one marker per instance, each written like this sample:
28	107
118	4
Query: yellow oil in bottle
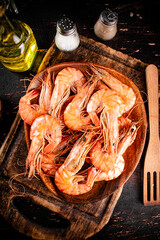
18	46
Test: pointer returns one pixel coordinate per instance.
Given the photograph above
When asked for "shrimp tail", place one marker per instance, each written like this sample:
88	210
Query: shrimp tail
93	174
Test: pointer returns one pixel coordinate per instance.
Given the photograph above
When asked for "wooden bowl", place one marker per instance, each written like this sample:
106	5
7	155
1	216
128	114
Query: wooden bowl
132	156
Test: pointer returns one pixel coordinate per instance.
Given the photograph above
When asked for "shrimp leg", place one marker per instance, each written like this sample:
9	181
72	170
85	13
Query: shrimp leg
46	92
109	121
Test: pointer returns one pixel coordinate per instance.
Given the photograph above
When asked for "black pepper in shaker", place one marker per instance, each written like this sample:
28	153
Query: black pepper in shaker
106	26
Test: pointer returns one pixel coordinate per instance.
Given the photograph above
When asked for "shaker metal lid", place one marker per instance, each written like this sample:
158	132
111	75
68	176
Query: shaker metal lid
109	17
66	26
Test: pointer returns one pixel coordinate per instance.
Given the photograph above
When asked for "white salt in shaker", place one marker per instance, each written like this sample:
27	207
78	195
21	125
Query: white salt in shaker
66	38
106	26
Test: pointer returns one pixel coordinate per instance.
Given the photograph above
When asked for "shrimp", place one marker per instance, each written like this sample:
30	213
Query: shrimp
112	165
111	105
123	90
67	178
112	137
28	111
50	162
104	98
74	115
45	134
66	79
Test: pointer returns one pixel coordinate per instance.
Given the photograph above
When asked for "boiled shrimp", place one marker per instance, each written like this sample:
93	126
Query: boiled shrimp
104	98
67	178
123	90
66	79
75	117
45	134
28	111
108	102
112	165
50	162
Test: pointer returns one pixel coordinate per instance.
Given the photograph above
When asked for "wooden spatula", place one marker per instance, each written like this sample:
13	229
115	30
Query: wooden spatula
151	177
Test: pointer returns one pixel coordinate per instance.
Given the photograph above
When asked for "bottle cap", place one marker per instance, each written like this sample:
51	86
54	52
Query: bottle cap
109	17
65	26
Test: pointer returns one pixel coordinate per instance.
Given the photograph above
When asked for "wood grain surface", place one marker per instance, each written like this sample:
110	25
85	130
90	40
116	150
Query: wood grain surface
138	37
33	190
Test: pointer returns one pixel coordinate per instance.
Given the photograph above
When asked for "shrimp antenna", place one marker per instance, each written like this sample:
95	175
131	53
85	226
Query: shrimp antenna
139	122
136	105
145	94
14	188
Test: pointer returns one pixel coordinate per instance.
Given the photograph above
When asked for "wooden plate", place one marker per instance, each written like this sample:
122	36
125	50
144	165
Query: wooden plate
131	156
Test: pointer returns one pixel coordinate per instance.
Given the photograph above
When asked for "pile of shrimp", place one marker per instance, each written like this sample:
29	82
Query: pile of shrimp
79	127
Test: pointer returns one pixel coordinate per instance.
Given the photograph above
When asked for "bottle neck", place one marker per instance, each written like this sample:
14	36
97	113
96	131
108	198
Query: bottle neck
10	31
5	20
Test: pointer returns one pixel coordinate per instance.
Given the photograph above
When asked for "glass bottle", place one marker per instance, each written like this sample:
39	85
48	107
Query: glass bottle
18	46
66	38
106	26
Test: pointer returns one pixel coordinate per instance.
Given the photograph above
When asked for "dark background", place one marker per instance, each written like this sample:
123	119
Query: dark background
138	36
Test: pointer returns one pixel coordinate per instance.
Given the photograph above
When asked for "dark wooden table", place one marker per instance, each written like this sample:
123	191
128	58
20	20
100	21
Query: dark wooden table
138	36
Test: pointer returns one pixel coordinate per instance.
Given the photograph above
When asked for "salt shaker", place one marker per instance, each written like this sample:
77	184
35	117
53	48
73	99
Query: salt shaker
66	38
106	26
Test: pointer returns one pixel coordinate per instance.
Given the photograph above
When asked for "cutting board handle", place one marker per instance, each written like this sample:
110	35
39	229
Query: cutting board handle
29	217
38	218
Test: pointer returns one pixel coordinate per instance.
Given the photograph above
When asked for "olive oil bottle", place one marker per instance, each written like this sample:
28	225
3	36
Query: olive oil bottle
18	46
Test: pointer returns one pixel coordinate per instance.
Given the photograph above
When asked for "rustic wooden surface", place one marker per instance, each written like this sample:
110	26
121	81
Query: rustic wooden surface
81	226
138	36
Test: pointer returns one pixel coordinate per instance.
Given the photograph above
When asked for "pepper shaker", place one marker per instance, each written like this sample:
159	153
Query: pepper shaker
106	26
66	38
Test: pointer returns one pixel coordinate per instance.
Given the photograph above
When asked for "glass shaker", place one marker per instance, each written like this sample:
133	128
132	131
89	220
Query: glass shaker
106	26
66	38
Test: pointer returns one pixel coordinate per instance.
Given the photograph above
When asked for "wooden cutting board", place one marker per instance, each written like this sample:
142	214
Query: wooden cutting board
27	204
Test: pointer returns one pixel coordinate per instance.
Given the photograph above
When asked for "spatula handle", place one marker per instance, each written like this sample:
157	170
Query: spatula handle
152	89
